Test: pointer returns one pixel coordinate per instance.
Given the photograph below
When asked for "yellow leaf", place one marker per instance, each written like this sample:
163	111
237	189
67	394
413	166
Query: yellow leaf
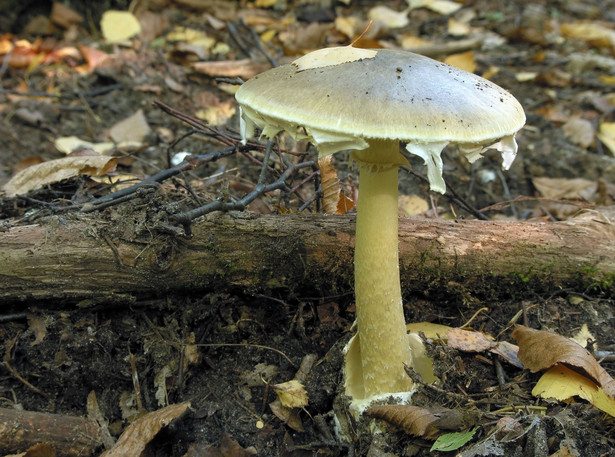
562	384
292	394
433	331
607	135
412	204
118	26
265	3
268	35
463	60
583	336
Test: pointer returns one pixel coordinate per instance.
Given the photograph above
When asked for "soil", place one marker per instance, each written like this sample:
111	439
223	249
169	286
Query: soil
222	350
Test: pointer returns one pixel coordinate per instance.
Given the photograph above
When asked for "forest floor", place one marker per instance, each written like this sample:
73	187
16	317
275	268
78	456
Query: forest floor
223	350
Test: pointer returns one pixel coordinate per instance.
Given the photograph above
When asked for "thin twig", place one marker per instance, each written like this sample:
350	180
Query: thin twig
248	345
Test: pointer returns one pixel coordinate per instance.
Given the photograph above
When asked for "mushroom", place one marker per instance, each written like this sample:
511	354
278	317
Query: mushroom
368	101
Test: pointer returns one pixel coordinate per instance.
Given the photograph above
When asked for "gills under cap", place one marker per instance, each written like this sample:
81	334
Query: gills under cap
340	98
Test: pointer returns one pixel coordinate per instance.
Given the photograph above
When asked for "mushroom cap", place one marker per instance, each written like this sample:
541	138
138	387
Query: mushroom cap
340	98
388	94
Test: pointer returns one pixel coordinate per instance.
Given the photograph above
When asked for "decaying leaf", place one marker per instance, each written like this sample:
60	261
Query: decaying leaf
228	447
428	423
290	416
560	350
334	202
468	341
138	434
37	326
292	394
52	171
465	340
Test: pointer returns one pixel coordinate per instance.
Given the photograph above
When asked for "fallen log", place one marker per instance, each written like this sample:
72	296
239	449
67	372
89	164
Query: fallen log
92	260
68	436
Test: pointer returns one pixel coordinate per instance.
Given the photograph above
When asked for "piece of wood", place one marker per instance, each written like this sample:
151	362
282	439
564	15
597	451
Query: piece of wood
70	436
103	261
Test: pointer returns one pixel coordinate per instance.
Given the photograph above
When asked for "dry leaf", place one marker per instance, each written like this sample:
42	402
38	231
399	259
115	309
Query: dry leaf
412	205
595	33
583	336
463	60
389	17
457	28
444	7
37	326
69	144
580	132
333	201
132	129
118	26
52	171
64	16
566	189
469	341
607	135
290	416
245	68
542	350
218	114
138	434
428	423
292	394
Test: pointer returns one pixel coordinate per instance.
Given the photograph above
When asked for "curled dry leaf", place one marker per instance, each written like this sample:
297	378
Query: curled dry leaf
334	202
428	423
138	434
56	170
561	350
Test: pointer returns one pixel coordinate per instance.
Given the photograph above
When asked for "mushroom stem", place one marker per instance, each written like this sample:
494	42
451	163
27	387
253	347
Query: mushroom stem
383	342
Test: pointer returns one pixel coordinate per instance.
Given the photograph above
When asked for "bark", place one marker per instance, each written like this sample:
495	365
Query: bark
68	436
92	261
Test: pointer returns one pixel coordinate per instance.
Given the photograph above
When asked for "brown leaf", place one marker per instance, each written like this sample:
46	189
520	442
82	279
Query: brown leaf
428	423
138	434
231	448
468	341
413	420
245	68
540	350
333	201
